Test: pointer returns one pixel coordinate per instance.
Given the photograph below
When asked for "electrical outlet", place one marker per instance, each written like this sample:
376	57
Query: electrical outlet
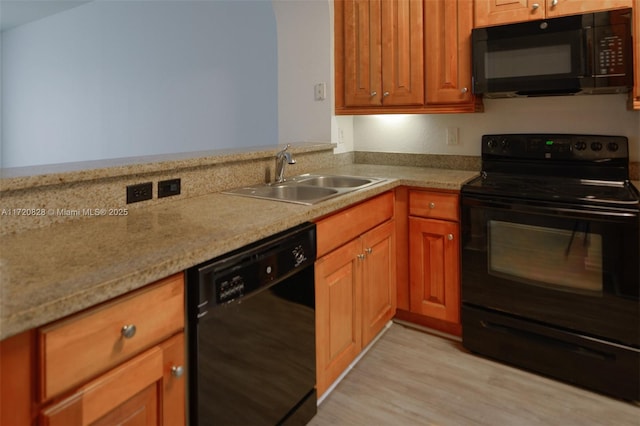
139	192
452	136
320	90
167	188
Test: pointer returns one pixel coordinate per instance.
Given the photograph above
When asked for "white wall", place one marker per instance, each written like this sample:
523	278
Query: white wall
115	79
304	60
596	114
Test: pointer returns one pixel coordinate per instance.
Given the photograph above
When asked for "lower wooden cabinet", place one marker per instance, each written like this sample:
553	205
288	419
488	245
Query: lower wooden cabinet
434	270
433	261
355	289
338	312
122	362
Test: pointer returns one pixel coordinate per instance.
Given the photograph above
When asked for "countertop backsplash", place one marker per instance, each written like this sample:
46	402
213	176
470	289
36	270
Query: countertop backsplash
30	200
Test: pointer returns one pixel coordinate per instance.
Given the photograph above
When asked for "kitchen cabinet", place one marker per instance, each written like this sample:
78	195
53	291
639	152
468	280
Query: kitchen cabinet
411	56
448	51
434	260
355	283
498	12
122	360
383	46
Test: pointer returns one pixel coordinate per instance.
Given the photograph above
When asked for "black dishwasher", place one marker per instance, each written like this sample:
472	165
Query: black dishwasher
251	333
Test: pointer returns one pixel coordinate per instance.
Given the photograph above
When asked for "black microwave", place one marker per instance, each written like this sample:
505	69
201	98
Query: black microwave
580	54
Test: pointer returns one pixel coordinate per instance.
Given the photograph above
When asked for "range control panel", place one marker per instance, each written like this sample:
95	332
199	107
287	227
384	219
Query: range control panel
555	146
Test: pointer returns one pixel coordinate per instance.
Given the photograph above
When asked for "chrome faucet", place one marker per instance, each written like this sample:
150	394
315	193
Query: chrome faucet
282	158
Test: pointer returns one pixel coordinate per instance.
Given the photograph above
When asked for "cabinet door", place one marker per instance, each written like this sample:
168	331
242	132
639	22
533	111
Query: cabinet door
434	269
575	7
174	378
448	51
383	52
402	53
379	280
130	392
338	312
362	52
497	12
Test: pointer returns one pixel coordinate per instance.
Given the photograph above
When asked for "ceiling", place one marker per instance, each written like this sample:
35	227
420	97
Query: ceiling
18	12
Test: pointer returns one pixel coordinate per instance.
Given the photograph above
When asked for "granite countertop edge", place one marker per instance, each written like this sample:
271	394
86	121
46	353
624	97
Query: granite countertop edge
125	254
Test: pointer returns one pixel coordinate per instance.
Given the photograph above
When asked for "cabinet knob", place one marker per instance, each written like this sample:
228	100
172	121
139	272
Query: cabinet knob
535	6
368	250
450	237
432	205
464	90
374	93
177	371
554	3
361	256
385	94
128	331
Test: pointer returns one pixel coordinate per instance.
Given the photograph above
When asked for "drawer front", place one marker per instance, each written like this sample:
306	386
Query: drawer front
78	348
434	205
342	227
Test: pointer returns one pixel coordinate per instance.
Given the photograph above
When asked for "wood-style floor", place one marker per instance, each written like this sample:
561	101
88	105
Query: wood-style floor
413	378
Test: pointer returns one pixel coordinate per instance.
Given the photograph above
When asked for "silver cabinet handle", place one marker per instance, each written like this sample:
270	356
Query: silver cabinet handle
464	90
554	3
368	250
385	94
374	93
535	6
361	256
177	371
450	237
432	205
128	331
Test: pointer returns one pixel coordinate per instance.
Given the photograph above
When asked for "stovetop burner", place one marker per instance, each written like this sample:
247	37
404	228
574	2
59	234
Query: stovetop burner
575	169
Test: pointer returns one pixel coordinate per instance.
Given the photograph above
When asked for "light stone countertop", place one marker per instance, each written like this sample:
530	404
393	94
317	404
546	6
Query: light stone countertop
49	273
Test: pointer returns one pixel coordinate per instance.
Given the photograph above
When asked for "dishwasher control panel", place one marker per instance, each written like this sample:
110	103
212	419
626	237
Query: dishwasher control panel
230	289
252	269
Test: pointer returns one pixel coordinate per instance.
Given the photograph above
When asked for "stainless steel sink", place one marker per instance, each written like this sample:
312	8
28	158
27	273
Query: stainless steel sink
335	181
306	189
286	192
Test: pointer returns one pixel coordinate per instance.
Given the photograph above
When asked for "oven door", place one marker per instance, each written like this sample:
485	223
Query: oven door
562	266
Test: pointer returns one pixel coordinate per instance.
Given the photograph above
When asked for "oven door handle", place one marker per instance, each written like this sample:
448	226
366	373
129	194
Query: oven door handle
519	205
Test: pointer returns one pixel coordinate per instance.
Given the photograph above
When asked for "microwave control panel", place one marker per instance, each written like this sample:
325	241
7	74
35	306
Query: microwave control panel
610	51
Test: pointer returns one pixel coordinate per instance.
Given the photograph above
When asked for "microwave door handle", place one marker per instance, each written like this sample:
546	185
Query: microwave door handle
587	58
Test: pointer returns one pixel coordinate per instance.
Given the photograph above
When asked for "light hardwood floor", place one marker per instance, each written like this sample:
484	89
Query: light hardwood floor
413	378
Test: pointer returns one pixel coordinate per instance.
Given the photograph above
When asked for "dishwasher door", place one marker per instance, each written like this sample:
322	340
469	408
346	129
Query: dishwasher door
252	334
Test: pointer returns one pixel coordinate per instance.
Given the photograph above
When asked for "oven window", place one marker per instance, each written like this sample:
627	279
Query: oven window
569	260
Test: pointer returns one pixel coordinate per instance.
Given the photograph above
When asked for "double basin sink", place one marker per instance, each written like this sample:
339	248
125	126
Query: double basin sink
306	189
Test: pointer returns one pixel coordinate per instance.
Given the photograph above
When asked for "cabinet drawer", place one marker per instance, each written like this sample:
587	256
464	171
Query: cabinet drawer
80	347
342	227
434	205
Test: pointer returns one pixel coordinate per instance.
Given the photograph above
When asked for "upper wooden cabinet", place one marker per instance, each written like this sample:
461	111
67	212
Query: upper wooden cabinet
403	56
498	12
383	46
448	51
